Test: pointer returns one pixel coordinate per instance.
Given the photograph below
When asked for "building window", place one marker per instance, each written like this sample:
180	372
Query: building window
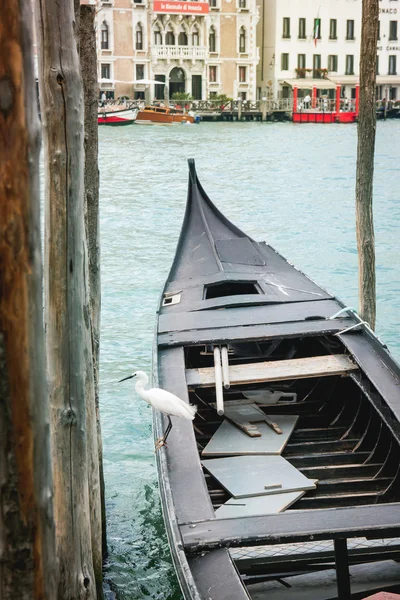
392	65
349	64
170	39
195	38
286	28
301	61
212	73
105	71
285	61
393	31
104	36
157	37
242	40
243	96
379	30
317	66
333	29
242	3
212	3
302	29
182	39
377	64
242	74
332	63
350	29
139	37
139	72
212	40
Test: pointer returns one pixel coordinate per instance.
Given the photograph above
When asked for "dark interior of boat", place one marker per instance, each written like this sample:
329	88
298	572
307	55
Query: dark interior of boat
342	437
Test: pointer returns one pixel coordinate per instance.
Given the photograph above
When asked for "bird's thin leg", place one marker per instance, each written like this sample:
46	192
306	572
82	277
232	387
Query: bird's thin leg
167	431
161	441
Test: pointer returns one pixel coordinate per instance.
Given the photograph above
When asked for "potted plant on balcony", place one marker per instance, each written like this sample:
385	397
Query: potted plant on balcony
321	73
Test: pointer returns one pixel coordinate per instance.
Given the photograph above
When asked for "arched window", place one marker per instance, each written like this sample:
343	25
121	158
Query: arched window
182	39
195	37
157	37
170	39
242	40
139	37
212	40
104	36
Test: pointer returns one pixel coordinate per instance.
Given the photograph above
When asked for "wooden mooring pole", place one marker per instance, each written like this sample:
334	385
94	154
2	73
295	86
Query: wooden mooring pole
67	310
88	60
365	162
27	532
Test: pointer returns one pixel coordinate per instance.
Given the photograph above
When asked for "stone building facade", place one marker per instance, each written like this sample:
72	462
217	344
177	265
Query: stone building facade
201	48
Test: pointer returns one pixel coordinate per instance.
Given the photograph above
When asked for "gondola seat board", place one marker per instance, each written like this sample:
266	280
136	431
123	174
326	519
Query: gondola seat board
378	520
253	332
280	370
247	315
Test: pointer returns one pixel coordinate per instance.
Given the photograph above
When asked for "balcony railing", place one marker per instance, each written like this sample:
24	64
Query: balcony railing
177	52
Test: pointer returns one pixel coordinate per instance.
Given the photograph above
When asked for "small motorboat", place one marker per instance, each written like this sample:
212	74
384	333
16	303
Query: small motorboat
114	116
287	483
159	115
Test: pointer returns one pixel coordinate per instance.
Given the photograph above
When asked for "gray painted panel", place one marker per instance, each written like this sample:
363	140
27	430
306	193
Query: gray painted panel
244	476
257	505
240	251
228	440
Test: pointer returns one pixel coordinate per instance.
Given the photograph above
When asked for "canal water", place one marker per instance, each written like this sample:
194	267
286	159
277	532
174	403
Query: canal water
290	185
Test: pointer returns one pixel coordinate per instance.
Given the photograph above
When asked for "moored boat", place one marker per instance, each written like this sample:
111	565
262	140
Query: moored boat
159	115
240	329
115	116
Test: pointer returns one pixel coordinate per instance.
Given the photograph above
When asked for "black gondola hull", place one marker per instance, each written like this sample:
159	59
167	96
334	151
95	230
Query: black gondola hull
226	289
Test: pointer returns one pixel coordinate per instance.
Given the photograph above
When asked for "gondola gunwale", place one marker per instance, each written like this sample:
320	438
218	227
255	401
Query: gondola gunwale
182	534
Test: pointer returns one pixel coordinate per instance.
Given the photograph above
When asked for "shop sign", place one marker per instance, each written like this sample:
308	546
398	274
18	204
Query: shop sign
185	8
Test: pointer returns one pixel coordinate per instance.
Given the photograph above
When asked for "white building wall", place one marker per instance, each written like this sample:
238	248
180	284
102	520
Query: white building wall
341	10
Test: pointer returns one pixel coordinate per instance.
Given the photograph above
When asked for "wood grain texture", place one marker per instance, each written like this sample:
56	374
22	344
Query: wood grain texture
280	370
67	314
27	532
365	162
88	61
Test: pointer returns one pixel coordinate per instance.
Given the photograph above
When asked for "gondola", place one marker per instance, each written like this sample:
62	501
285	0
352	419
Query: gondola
234	306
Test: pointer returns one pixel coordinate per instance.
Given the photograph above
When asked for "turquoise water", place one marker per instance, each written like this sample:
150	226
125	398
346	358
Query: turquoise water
291	185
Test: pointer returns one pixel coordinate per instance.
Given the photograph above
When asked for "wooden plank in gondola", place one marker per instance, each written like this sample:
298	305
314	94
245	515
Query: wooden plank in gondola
250	315
253	332
280	370
380	520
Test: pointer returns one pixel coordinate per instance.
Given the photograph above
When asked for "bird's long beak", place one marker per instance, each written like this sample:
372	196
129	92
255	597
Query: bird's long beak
125	378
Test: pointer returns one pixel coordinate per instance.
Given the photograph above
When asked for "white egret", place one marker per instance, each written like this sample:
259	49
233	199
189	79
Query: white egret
164	401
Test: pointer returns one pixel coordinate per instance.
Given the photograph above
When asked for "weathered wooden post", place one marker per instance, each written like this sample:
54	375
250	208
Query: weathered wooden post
67	313
27	532
239	109
365	162
263	109
88	59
